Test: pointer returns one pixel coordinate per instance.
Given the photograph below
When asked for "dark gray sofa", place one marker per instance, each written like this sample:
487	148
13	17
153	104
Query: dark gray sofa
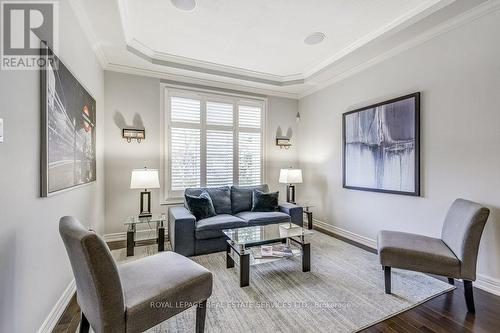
233	207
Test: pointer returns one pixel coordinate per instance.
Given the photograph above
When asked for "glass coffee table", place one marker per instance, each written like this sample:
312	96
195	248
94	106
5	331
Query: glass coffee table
241	241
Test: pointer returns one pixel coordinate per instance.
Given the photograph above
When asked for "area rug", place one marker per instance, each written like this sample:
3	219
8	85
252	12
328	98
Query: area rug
343	292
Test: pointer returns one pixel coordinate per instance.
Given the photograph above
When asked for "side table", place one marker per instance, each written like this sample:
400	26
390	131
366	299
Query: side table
132	221
308	212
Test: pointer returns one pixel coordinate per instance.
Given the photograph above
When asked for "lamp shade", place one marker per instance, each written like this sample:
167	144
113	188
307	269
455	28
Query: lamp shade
290	176
144	178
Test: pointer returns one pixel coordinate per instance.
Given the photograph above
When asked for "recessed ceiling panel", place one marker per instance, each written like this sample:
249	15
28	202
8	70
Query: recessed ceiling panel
265	36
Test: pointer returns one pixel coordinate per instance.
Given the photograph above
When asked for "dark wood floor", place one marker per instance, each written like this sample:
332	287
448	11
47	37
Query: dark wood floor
443	314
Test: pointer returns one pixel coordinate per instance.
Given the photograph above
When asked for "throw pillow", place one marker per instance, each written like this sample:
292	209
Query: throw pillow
264	202
200	206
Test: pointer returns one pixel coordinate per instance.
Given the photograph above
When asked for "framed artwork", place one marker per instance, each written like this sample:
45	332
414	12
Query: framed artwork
68	128
381	147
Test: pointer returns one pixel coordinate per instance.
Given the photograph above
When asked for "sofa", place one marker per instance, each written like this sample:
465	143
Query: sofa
233	206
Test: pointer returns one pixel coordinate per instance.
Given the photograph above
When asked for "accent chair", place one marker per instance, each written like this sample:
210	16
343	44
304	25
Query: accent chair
454	255
135	296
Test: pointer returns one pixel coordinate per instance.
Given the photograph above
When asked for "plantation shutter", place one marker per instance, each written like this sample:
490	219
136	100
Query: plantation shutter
249	154
185	143
249	159
212	140
219	144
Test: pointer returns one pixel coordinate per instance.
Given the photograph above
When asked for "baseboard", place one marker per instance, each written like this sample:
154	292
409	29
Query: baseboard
139	235
483	282
488	284
58	309
347	234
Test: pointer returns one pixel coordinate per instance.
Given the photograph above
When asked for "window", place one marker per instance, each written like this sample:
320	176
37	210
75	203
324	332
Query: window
211	140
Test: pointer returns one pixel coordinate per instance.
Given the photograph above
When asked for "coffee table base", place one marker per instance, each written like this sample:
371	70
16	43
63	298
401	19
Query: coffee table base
245	258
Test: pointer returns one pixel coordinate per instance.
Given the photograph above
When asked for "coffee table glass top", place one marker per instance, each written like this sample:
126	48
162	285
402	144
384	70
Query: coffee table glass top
270	232
160	217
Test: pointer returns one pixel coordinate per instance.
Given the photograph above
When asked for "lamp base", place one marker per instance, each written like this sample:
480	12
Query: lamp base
145	203
290	193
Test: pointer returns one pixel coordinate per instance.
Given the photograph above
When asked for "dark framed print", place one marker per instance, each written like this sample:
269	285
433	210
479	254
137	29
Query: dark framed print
381	147
68	128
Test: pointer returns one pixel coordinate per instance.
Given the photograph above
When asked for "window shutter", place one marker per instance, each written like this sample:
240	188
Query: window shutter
185	110
185	115
207	136
249	159
219	114
185	155
219	158
249	116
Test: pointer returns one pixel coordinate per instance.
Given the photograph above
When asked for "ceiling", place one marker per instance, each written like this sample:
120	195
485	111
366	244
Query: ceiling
259	45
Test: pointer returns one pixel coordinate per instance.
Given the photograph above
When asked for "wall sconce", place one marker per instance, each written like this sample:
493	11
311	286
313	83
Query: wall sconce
283	142
133	134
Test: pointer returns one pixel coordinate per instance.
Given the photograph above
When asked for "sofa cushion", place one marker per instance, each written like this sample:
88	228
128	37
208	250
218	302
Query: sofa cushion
200	206
417	253
212	227
264	202
221	197
263	218
241	197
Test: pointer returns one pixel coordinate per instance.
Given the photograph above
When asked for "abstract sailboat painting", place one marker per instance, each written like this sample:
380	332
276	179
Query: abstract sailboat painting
381	147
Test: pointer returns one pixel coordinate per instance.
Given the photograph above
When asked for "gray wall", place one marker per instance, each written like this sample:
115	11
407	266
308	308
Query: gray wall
130	97
458	74
34	266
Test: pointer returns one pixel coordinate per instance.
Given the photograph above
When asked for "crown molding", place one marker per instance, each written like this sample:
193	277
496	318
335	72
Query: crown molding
197	81
453	23
426	8
143	51
170	61
250	81
86	26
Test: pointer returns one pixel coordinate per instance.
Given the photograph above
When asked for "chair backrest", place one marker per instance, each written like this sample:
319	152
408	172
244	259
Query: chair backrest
462	231
99	290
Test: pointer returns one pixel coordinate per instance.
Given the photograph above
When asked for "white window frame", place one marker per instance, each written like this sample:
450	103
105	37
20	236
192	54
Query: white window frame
166	92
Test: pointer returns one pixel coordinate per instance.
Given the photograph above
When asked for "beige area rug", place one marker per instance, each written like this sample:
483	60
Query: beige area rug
344	292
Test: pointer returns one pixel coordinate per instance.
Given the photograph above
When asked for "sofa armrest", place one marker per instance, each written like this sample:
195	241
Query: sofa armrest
295	212
181	230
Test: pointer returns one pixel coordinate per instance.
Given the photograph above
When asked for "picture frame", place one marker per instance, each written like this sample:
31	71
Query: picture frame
381	147
68	128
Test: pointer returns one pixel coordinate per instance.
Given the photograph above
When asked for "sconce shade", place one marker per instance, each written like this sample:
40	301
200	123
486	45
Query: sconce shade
144	179
290	176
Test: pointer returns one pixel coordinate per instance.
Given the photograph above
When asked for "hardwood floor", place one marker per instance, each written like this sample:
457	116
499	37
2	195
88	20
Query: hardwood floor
446	313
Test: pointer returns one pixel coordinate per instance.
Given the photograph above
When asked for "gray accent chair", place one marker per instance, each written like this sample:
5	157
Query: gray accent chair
454	255
233	208
135	296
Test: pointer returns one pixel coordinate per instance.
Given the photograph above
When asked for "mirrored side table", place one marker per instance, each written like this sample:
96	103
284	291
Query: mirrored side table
132	221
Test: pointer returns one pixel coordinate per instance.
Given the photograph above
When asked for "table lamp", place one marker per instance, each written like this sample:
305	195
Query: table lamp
145	179
290	177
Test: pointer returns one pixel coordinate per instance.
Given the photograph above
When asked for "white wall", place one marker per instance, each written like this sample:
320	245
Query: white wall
458	74
34	268
132	96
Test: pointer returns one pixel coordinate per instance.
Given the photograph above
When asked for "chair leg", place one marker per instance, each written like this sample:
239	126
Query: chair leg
451	281
84	324
387	276
201	313
469	296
